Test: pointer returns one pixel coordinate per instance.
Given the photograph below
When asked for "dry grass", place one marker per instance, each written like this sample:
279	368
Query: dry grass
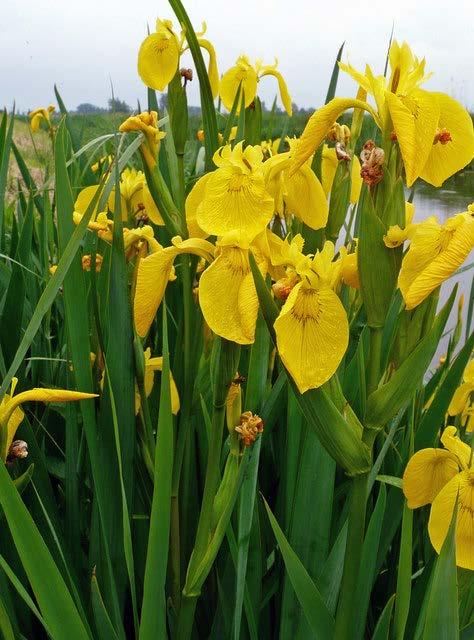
36	151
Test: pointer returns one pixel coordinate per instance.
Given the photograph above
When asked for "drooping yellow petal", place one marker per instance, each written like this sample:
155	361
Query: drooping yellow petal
84	199
461	485
282	87
304	197
212	71
468	374
320	123
242	74
460	398
356	181
349	269
312	335
227	296
153	275
455	245
328	171
329	164
151	210
456	446
9	410
444	160
35	122
158	59
424	247
193	201
415	119
156	364
197	246
426	473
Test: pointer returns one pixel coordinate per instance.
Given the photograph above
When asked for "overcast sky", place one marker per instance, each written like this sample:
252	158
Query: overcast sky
82	45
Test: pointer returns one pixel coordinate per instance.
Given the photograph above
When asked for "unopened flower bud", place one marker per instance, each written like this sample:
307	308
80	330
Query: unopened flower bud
200	135
18	450
339	133
249	428
282	288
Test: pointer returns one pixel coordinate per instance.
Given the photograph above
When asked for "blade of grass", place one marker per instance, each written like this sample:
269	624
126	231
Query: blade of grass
54	598
153	618
312	603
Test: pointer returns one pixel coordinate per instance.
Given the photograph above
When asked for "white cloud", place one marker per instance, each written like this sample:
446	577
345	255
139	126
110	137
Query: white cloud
81	45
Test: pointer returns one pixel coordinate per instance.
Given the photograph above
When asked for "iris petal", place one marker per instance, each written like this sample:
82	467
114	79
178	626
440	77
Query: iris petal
445	160
461	485
427	472
312	335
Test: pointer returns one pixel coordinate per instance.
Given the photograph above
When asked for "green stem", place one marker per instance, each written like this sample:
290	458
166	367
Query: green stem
374	361
345	616
210	484
227	357
182	186
186	617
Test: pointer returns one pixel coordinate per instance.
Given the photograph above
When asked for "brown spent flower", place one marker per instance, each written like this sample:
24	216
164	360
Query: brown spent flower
249	428
18	450
187	74
372	158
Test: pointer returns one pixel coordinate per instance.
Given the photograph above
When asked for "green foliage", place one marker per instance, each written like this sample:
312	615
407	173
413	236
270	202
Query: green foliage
129	521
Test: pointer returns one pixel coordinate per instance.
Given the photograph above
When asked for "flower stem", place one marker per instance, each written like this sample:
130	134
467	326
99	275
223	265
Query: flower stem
186	617
374	362
355	537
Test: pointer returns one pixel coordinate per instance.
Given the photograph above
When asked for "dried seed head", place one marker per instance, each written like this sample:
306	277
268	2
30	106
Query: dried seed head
249	428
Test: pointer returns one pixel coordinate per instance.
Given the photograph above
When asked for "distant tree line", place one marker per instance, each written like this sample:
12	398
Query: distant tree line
115	105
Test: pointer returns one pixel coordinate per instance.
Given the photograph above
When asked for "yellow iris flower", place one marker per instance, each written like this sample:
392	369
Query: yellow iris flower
135	198
154	273
247	76
11	414
461	401
159	54
434	132
151	366
146	123
235	198
227	294
436	251
313	320
312	330
440	477
300	194
37	115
